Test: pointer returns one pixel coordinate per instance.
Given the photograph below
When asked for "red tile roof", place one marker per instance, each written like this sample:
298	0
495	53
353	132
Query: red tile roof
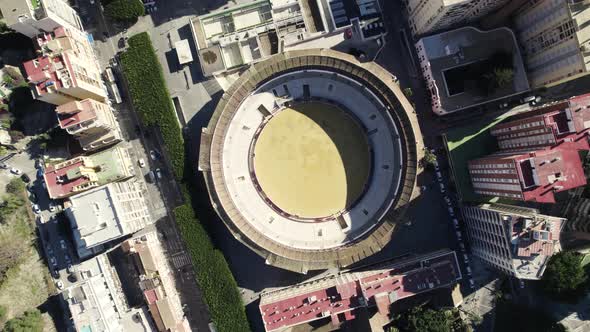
58	185
150	296
75	112
338	296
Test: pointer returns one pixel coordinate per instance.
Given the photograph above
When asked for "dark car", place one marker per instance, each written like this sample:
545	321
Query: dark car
25	178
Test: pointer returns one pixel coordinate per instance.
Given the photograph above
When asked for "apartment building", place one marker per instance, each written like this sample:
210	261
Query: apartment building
31	17
96	301
538	153
565	123
515	240
91	122
555	38
106	213
527	176
83	173
339	297
247	33
67	70
157	283
427	16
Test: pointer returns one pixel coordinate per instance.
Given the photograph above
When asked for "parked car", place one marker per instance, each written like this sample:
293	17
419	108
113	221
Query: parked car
39	219
456	223
462	246
153	154
59	284
468	270
4	166
527	99
448	200
62	244
70	268
158	173
471	284
49	250
465	259
16	171
53	261
458	235
521	283
67	259
423	188
451	211
52	207
25	178
40	173
38	163
33	197
442	188
36	209
141	163
439	175
55	273
151	177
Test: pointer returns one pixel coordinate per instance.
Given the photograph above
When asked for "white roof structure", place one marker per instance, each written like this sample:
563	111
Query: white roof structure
183	51
106	213
262	216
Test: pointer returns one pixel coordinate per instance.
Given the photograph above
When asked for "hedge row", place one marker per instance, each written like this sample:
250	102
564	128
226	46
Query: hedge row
150	96
219	287
152	101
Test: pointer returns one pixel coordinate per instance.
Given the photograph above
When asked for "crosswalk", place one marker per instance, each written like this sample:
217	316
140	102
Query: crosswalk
181	260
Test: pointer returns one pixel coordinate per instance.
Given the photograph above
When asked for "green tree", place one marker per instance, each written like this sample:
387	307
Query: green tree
429	320
564	278
16	186
408	92
500	77
30	321
429	159
126	11
9	206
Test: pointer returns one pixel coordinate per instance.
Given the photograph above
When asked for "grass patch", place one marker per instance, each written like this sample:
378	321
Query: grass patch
153	103
466	143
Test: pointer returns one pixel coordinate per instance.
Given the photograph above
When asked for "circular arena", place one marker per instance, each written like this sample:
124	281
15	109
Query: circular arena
310	159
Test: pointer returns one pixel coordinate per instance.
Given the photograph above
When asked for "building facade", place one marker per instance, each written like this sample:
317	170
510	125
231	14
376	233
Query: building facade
515	240
538	153
91	122
106	213
426	16
33	17
67	70
527	176
555	37
156	280
338	297
83	173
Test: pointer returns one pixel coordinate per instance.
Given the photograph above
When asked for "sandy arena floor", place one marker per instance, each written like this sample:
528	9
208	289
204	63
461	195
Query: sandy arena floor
313	160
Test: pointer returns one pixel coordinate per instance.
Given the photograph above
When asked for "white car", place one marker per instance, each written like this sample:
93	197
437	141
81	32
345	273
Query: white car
442	188
36	209
141	163
471	284
52	207
158	173
16	171
59	284
153	155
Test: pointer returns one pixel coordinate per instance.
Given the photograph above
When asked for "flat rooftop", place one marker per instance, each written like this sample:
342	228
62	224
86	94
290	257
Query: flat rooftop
451	53
82	173
337	296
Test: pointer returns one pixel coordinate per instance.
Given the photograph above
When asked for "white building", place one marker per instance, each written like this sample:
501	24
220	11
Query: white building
96	301
425	16
247	33
555	38
91	122
515	240
106	213
31	17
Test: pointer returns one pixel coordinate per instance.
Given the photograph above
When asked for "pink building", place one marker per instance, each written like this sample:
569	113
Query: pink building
538	153
531	176
564	123
67	70
338	296
91	122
